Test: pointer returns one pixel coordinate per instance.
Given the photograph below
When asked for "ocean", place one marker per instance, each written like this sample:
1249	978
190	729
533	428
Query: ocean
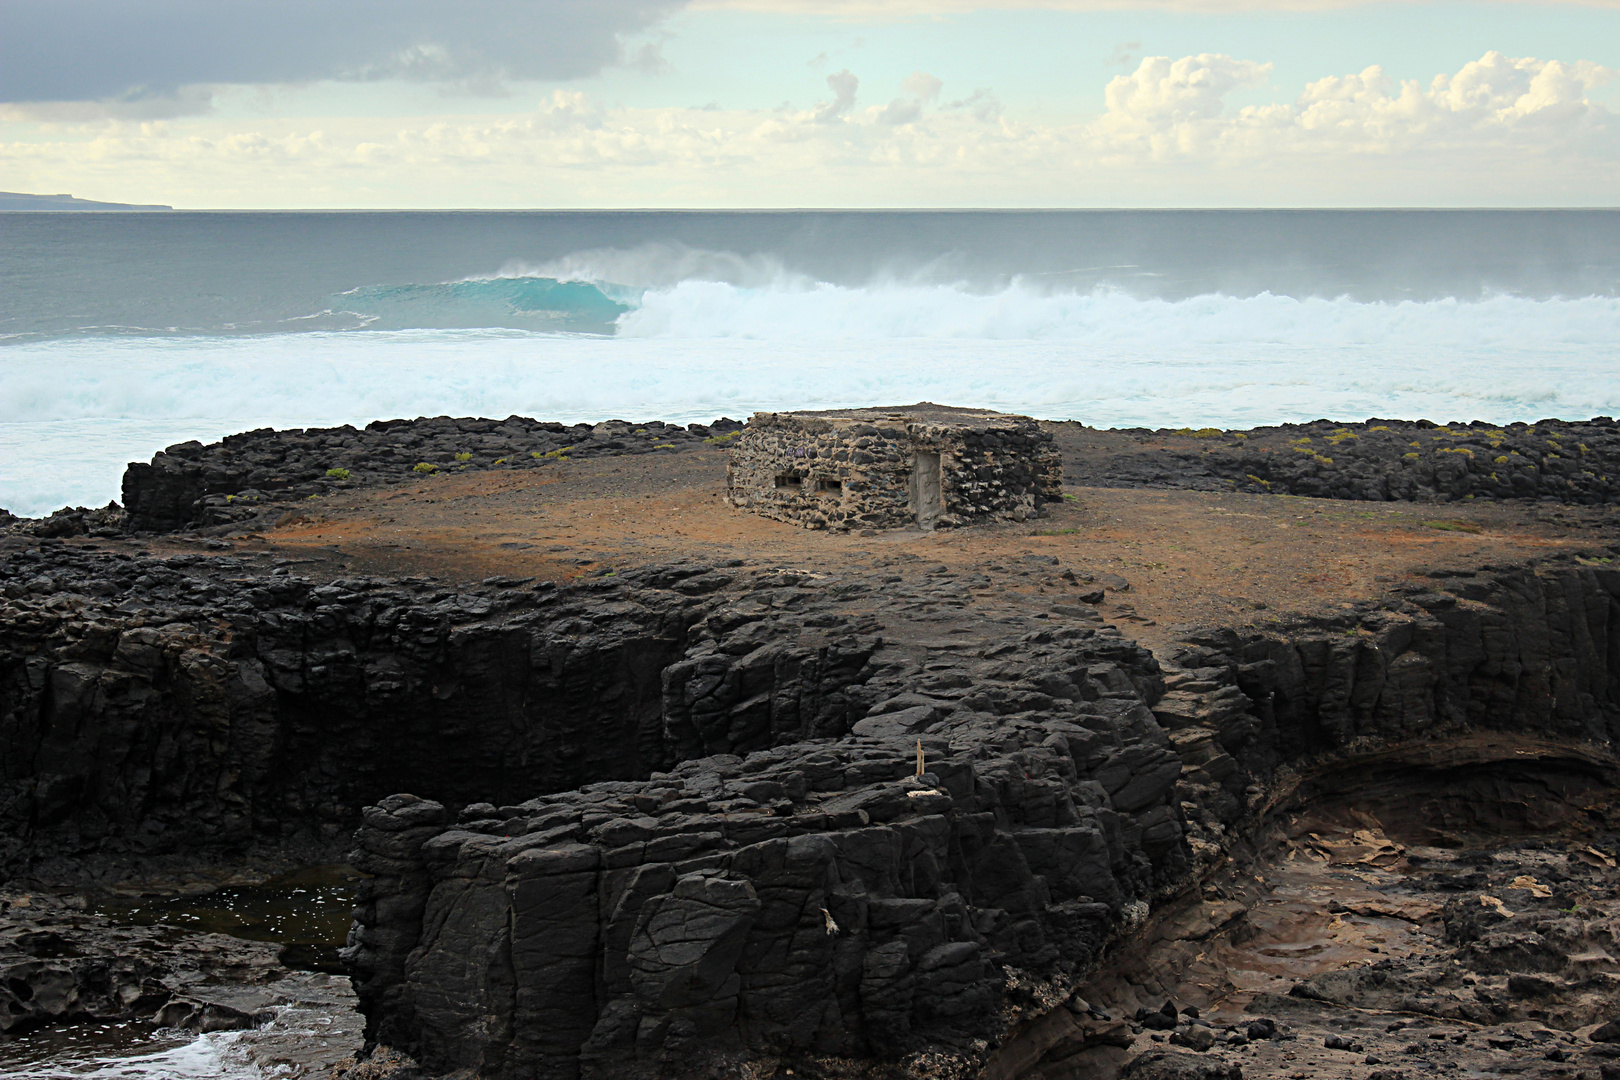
123	333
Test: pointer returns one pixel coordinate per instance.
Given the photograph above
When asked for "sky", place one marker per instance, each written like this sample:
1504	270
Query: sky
811	103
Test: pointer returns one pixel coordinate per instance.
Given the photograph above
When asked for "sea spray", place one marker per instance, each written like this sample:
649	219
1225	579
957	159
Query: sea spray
73	412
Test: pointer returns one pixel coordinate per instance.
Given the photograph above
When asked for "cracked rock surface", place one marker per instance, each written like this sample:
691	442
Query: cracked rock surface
861	813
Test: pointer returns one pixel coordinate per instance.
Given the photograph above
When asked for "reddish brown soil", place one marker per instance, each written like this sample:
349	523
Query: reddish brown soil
1191	557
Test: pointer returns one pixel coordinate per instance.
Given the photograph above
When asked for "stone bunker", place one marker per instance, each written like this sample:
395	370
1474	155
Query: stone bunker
925	465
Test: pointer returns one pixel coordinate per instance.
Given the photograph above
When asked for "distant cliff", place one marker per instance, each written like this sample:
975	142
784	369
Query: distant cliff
13	201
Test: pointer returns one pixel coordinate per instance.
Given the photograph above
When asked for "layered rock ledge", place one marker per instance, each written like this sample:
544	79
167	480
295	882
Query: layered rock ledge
1378	460
666	814
821	897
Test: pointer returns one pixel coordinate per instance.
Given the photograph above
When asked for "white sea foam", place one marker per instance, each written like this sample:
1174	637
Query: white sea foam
659	265
1105	318
74	411
166	1055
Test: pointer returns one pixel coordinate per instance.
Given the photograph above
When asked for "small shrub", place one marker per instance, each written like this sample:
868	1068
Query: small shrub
1413	456
537	455
717	439
464	456
424	467
1454	526
337	474
500	461
1208	433
558	455
664	446
1455	450
1380	427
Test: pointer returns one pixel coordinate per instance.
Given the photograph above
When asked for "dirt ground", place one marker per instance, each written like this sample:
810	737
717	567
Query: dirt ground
1191	558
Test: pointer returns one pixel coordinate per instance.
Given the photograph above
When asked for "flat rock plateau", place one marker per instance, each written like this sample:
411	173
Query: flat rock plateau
1278	753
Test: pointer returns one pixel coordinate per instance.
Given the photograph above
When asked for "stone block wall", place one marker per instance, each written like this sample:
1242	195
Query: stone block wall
874	468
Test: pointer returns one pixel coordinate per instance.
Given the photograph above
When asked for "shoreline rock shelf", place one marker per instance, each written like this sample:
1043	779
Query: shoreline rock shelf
229	482
1570	461
821	898
670	814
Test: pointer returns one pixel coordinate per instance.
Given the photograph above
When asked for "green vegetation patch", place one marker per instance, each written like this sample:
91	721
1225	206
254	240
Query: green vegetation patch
1454	526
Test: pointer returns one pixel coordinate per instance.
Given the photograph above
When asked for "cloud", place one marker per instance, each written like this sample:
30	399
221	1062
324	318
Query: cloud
142	103
923	86
1175	109
1497	131
882	10
843	84
1164	91
122	52
1125	54
982	104
649	59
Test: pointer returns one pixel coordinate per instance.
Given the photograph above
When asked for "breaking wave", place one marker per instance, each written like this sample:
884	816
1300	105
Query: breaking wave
795	310
1104	317
523	303
688	336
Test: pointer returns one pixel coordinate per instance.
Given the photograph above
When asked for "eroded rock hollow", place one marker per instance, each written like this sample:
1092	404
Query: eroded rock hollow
816	895
706	811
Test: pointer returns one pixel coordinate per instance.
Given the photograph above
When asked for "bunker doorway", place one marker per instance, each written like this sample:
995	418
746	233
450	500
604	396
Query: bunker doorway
926	500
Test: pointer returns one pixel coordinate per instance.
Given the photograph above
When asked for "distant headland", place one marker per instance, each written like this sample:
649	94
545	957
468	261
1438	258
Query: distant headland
13	201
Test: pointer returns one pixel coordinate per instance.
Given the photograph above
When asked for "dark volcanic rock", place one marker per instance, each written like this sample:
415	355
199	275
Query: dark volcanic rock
1050	822
68	521
1381	460
246	477
236	479
679	812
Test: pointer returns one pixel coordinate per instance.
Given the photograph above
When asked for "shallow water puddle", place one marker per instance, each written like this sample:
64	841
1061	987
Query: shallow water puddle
306	912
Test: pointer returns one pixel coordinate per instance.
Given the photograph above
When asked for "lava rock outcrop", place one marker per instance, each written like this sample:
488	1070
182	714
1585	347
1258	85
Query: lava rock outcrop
1379	460
823	897
231	481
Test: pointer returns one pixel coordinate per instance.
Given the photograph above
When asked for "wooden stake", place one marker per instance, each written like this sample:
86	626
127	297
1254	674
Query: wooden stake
919	757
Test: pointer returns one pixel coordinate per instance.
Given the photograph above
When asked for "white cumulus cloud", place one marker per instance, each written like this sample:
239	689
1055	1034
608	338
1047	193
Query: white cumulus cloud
1176	109
1499	130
